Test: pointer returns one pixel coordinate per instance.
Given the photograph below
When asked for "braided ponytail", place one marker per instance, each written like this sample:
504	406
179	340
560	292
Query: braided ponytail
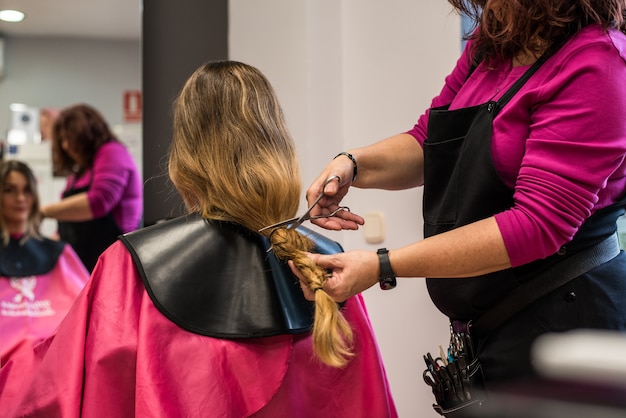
332	335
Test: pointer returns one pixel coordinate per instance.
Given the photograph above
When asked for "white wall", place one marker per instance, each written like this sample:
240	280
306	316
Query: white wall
349	73
57	72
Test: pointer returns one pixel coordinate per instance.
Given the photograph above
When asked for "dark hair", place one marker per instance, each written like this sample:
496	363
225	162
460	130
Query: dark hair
34	217
85	131
506	28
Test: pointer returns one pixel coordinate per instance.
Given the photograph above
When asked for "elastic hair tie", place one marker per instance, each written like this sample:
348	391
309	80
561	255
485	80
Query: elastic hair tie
272	233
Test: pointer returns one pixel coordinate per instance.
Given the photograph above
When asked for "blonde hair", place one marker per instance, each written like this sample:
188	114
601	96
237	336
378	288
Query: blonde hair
233	159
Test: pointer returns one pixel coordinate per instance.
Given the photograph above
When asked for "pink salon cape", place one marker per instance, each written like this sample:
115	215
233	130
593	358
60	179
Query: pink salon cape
116	355
31	307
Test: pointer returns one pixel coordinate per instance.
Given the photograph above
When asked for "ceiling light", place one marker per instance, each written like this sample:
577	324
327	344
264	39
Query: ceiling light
11	15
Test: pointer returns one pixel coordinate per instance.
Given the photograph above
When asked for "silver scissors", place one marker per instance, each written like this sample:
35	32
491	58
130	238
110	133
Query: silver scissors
298	220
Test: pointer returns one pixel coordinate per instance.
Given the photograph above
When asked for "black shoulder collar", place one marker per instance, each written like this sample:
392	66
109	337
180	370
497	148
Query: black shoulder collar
219	279
32	258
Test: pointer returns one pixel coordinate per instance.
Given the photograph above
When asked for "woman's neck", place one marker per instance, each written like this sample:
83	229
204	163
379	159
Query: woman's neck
529	56
523	59
17	230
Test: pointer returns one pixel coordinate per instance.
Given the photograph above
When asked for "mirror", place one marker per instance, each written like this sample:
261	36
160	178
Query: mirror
66	52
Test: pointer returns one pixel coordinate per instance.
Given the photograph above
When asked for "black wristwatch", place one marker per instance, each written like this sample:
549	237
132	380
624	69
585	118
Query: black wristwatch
387	278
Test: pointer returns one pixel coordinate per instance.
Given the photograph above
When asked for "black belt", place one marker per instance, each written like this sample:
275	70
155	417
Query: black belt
545	282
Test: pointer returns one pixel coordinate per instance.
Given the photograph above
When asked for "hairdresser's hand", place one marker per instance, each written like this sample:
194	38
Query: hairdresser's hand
352	273
334	191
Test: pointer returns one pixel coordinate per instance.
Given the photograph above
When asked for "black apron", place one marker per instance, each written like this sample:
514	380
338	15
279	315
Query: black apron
461	186
89	238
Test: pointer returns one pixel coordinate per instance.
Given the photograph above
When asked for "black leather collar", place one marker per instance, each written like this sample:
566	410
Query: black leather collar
32	258
219	279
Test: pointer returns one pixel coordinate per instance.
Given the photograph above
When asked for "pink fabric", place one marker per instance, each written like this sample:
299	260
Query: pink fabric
31	307
116	186
560	142
116	355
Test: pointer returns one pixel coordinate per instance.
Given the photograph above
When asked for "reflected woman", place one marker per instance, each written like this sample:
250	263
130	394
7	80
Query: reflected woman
39	278
103	196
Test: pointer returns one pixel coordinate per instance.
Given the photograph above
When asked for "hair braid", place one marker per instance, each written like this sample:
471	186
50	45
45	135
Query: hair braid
332	335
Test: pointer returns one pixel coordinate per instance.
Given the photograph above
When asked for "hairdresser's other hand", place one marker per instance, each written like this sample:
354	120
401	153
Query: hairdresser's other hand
334	191
352	273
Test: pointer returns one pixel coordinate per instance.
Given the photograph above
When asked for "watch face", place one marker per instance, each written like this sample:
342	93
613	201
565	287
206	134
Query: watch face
388	283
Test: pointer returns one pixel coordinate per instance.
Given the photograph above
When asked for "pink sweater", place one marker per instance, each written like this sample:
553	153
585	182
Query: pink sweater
116	186
560	142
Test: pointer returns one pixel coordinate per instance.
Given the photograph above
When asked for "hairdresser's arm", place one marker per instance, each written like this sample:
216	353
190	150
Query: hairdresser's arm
394	163
74	208
468	251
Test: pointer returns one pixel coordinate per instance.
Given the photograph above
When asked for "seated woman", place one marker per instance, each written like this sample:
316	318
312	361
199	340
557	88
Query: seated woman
39	278
200	316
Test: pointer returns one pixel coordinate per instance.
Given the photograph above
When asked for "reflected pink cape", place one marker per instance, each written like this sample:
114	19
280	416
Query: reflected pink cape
32	307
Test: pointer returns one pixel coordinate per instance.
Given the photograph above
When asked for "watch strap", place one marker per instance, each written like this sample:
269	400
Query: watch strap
387	278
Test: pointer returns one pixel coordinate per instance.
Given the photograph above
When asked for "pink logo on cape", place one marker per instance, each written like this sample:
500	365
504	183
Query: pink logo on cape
25	302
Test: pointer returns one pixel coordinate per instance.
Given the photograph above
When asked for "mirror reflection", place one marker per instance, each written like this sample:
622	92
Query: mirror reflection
60	55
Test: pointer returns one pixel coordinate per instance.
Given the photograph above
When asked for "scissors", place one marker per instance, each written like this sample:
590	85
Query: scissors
297	221
435	384
430	378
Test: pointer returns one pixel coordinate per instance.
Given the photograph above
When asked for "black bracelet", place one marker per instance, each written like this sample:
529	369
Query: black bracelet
354	166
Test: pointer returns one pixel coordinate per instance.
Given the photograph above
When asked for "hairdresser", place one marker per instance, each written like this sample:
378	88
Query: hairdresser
103	196
522	160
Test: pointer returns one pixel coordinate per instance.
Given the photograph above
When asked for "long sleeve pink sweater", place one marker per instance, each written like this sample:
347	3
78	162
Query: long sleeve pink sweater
116	186
559	143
